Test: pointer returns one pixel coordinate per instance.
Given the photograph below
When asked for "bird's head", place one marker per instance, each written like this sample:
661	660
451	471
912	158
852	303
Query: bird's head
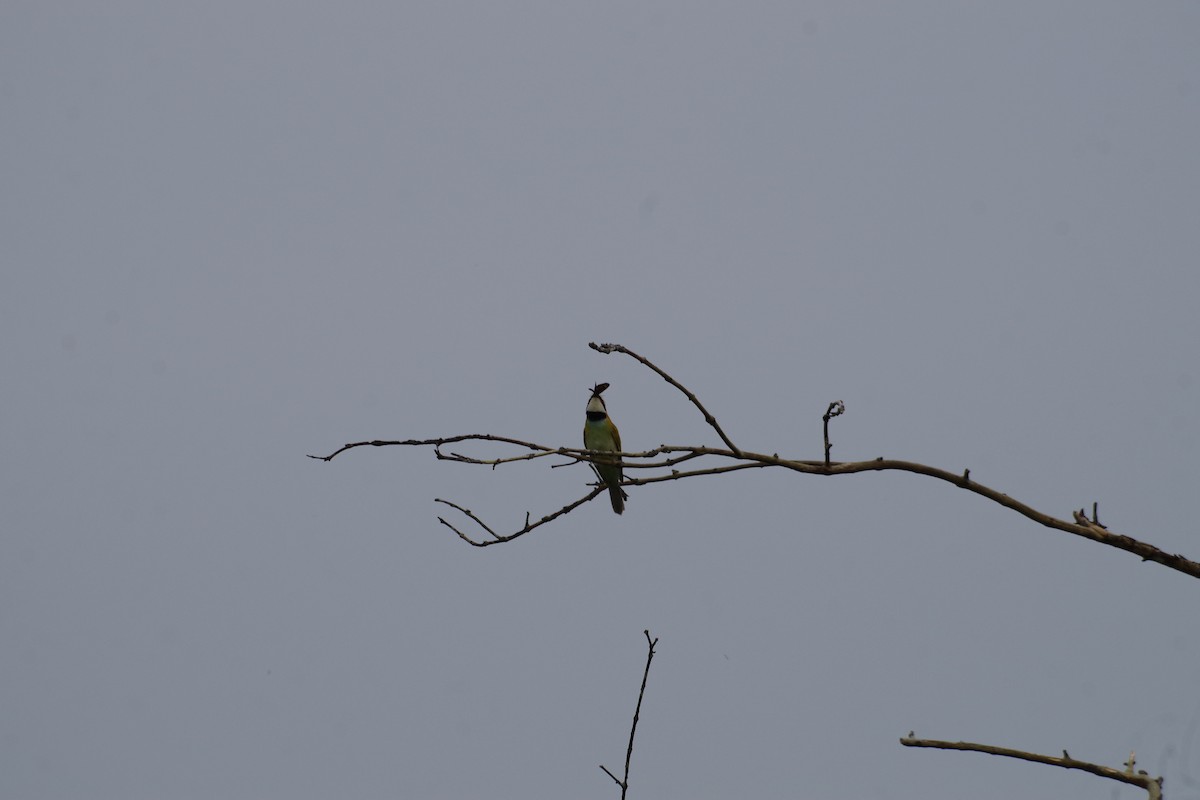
595	407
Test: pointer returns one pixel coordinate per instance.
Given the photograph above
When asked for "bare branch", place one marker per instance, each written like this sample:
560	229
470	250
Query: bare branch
709	418
499	538
1083	526
1153	786
672	456
676	475
624	784
576	454
482	437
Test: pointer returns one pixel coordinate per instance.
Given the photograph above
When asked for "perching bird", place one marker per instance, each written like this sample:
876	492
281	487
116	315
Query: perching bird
599	433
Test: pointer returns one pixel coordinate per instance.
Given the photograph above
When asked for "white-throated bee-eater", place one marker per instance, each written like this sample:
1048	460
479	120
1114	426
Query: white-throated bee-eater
599	433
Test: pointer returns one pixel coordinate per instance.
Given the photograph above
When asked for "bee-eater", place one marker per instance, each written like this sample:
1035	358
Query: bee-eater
599	433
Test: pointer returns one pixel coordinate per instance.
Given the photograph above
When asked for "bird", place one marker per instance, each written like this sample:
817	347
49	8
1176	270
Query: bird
599	433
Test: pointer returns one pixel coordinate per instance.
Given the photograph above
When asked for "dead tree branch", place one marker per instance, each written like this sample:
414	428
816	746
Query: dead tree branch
637	712
1153	786
672	457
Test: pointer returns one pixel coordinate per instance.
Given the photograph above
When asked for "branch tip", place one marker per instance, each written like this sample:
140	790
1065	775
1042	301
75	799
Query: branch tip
1153	786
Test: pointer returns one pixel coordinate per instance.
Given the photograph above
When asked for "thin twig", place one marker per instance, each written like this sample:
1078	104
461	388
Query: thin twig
836	409
1153	786
709	418
498	538
576	454
482	437
624	784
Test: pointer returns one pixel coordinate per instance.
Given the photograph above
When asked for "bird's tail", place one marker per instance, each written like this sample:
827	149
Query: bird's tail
617	497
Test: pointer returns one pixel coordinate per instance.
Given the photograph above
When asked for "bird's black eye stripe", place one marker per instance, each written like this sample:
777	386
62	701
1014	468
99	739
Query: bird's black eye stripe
596	416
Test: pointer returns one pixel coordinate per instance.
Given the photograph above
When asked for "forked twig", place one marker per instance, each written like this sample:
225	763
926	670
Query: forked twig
500	538
1153	786
637	711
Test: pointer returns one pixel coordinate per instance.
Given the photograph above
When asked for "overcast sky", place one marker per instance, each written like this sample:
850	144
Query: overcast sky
233	233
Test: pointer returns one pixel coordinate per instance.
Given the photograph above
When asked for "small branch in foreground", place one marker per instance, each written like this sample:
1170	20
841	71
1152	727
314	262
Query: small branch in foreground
1153	786
624	784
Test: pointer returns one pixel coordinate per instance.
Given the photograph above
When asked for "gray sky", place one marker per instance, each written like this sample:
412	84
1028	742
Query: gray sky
236	233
